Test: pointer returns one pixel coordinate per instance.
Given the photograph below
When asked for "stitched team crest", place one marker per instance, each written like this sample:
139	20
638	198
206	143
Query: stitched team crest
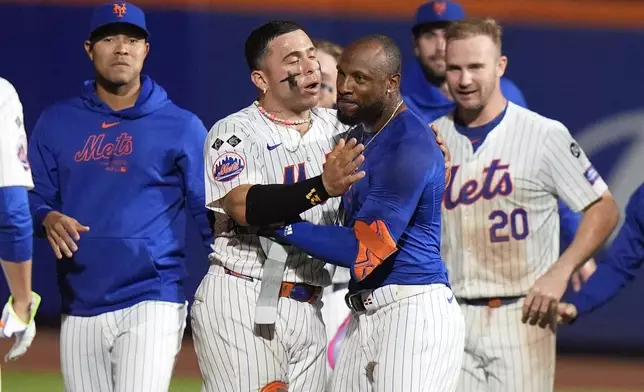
228	166
119	10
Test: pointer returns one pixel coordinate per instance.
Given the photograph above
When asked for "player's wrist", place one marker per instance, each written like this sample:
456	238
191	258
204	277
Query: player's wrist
277	203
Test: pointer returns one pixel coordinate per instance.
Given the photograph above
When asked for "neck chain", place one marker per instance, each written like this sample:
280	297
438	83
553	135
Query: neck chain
276	119
387	123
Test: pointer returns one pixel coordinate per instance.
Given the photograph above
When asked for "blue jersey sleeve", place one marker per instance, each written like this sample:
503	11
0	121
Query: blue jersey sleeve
16	229
44	197
625	257
396	184
191	163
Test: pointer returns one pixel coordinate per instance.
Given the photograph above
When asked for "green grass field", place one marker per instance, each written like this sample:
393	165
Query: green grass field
51	382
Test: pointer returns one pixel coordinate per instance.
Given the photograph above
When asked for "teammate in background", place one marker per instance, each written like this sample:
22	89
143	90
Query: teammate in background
115	169
16	230
403	312
500	229
425	92
328	54
624	259
265	166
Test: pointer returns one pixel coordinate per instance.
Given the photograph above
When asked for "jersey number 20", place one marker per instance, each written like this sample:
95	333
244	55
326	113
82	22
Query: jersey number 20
517	220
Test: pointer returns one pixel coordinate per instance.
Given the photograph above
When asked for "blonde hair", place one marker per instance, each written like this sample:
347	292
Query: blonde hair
469	28
333	49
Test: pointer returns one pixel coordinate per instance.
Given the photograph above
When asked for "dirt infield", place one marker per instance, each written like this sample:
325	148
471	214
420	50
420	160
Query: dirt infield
572	371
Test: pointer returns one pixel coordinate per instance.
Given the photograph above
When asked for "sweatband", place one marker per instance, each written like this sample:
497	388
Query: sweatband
276	203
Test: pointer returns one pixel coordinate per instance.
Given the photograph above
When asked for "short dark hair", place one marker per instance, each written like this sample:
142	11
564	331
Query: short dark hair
258	40
393	58
423	28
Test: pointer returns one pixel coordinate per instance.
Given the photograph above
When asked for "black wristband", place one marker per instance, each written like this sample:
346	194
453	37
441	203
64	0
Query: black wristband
271	204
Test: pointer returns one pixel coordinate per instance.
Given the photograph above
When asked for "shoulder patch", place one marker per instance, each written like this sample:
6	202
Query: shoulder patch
575	150
228	166
22	153
233	140
217	144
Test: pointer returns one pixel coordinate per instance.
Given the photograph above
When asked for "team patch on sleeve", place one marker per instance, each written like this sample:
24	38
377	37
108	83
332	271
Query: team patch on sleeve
22	153
228	166
217	144
375	245
575	150
233	140
591	175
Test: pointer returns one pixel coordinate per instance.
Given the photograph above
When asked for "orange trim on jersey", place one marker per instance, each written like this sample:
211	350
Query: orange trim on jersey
375	244
597	13
275	386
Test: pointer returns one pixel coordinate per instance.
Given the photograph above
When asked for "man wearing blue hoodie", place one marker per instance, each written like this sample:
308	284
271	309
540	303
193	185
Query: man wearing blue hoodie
425	92
114	170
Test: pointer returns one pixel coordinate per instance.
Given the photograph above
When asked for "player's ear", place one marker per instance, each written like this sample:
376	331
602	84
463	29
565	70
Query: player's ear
259	79
394	82
414	44
501	66
88	49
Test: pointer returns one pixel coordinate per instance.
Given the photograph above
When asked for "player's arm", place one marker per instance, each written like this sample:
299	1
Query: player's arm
381	220
16	229
191	164
44	197
234	183
567	172
625	258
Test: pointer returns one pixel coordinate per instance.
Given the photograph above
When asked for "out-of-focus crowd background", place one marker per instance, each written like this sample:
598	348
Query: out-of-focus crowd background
578	61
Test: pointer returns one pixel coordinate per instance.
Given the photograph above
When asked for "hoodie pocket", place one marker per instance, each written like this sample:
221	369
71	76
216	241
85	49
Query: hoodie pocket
108	271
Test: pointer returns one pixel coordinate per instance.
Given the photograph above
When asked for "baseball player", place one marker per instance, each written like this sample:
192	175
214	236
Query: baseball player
406	331
328	54
625	258
426	93
265	166
115	171
16	229
500	226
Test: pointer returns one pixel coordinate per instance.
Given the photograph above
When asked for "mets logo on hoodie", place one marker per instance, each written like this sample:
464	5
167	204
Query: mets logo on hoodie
228	166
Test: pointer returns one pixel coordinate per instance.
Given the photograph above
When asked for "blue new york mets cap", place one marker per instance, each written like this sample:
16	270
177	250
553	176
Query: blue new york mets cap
439	11
119	12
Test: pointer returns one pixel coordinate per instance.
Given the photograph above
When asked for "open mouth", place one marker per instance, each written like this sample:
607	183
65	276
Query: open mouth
312	87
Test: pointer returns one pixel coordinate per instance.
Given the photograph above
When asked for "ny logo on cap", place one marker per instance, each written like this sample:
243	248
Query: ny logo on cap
439	7
119	10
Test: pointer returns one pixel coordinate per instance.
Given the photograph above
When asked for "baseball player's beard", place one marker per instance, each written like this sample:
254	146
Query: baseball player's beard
437	78
365	114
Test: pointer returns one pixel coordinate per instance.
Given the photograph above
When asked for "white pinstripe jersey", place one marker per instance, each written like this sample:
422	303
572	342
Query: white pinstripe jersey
14	166
500	228
247	148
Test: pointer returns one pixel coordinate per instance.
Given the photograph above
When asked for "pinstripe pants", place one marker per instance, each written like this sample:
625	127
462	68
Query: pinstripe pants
504	355
127	350
403	344
236	355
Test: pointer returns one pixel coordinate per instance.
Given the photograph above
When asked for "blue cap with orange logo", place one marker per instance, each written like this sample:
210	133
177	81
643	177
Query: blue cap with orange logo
111	13
439	11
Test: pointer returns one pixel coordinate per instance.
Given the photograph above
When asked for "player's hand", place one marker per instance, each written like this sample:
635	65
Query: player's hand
18	320
340	168
62	231
543	298
583	274
446	153
566	313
